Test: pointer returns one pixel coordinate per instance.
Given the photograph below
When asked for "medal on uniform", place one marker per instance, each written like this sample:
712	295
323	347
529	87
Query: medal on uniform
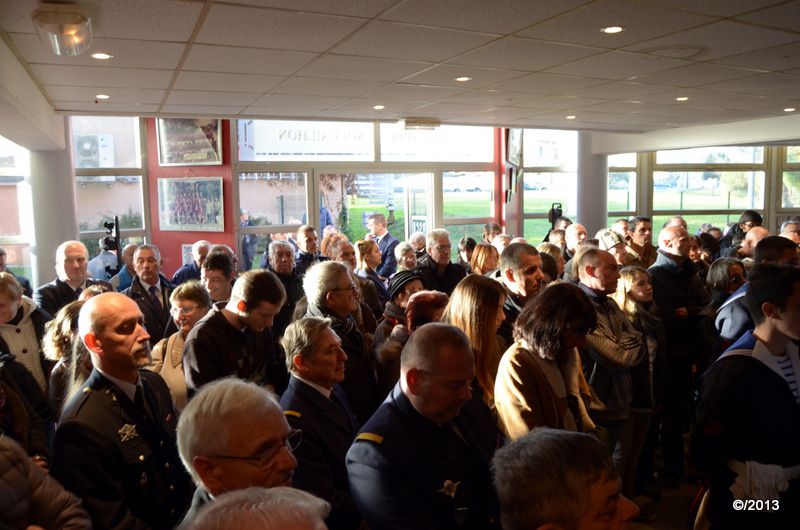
127	432
449	488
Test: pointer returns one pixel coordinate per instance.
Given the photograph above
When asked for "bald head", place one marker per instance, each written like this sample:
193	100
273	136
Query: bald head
72	261
674	240
574	236
200	251
751	239
422	351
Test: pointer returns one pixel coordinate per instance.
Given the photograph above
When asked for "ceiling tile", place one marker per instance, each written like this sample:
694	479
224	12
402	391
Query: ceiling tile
560	102
694	75
402	41
127	53
617	65
274	28
725	8
776	58
780	16
127	108
202	110
297	101
450	109
641	22
277	112
524	54
415	92
245	60
16	16
618	90
356	8
118	95
316	86
197	97
547	84
165	20
361	68
775	85
365	104
714	41
502	18
97	76
226	82
491	97
445	75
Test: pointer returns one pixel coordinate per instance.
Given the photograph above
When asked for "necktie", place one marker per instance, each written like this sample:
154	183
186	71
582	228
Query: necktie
78	292
154	296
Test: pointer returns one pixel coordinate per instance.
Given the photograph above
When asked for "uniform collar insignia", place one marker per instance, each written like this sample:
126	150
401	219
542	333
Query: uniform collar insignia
449	488
127	432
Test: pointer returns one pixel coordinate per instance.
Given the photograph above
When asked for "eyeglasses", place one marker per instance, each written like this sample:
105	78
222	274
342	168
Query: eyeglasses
183	310
266	458
443	248
352	287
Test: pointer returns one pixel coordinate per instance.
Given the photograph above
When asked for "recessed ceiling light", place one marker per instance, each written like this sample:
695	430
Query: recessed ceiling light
612	29
378	107
789	109
102	56
682	98
571	117
463	79
102	96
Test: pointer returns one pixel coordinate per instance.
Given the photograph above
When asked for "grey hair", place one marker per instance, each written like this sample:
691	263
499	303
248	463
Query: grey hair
200	244
401	249
204	425
545	477
275	245
416	235
62	248
301	338
266	508
784	225
422	349
152	248
513	254
321	279
434	236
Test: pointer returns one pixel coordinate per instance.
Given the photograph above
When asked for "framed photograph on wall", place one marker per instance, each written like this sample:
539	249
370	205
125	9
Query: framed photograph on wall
191	204
189	142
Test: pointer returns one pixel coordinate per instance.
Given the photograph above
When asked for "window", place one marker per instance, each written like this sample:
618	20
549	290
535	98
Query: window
712	155
622	172
15	198
447	143
105	142
467	193
272	141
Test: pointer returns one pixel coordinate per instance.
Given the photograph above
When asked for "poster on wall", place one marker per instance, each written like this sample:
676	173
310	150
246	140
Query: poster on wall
191	204
189	142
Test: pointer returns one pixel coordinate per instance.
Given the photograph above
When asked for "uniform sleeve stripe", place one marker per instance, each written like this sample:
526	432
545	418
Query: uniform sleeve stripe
292	413
370	437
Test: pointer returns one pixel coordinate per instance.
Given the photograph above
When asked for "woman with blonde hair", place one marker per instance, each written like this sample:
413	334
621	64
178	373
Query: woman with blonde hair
58	345
484	259
368	258
476	308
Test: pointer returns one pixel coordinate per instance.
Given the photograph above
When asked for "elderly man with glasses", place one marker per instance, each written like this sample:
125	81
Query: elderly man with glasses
438	273
232	435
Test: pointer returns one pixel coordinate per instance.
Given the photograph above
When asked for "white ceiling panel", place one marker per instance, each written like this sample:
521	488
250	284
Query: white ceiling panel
403	41
548	84
783	16
524	54
226	82
314	86
118	95
15	15
274	112
165	20
198	97
450	109
273	28
245	60
104	108
127	53
724	8
560	102
297	101
502	18
361	68
96	76
202	110
445	75
695	75
356	8
641	22
618	90
491	97
415	92
716	40
775	59
778	85
618	65
358	115
365	104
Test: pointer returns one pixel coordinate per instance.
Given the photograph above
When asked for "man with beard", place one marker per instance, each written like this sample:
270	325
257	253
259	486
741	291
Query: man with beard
115	443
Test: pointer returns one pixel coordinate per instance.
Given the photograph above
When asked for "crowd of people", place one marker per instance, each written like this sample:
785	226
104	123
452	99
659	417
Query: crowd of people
380	384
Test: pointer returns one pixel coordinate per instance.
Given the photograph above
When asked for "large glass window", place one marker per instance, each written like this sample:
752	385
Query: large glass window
708	190
447	143
467	193
99	142
15	201
272	141
712	155
101	198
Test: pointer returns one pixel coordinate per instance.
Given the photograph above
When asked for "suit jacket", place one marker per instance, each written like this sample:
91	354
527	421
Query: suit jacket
190	271
328	430
386	245
52	296
406	471
123	464
156	318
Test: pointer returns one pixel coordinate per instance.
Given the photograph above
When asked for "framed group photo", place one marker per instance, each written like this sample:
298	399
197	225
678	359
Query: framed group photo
189	142
191	204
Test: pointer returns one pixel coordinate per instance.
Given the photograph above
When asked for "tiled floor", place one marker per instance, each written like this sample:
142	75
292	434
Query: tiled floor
671	511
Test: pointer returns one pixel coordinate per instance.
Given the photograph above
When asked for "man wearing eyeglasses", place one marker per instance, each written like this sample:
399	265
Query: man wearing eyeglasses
232	435
315	404
115	443
438	273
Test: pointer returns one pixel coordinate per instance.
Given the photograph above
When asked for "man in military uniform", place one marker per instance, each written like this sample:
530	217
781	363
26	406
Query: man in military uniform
422	460
115	444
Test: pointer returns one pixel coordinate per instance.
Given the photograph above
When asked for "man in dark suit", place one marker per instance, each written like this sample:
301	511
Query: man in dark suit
150	290
281	262
191	271
437	271
72	260
115	443
378	232
307	250
316	405
422	460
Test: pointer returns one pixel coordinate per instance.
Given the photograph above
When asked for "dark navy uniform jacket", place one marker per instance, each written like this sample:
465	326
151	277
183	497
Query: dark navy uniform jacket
123	465
157	319
329	428
409	472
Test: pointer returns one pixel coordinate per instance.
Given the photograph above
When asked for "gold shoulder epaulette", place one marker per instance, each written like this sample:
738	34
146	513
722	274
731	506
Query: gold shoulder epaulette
370	437
293	413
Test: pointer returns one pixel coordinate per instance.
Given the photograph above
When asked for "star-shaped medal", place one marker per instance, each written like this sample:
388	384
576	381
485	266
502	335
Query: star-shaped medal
449	488
127	432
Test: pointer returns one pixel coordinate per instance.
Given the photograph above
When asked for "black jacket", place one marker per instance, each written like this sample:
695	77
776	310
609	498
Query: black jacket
156	318
52	296
434	281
